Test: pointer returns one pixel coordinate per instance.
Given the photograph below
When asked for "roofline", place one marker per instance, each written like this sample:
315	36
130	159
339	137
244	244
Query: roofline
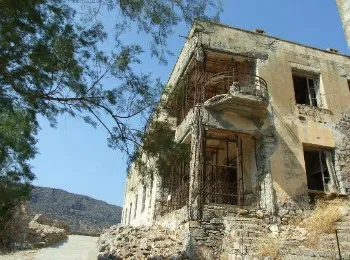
269	36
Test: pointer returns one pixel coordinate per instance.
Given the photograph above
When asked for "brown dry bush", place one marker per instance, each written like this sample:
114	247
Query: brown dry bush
15	232
322	219
268	248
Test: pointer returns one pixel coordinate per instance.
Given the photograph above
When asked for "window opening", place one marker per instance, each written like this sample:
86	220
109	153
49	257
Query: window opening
136	205
349	84
222	176
150	195
143	199
130	213
306	90
125	216
317	171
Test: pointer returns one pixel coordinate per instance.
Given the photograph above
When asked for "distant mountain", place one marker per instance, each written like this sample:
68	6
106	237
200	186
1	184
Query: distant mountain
84	214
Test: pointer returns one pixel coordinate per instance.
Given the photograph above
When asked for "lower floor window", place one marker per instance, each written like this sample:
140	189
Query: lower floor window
319	169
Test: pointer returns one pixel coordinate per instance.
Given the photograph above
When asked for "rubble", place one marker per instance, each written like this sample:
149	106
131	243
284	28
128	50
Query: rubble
42	231
147	242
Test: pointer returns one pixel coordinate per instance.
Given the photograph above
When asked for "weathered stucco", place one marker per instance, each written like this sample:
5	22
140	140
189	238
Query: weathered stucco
273	143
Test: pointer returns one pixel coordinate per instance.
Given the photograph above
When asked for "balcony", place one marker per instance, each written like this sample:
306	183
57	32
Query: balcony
243	94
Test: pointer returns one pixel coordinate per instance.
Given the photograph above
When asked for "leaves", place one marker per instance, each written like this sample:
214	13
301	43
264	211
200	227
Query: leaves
53	61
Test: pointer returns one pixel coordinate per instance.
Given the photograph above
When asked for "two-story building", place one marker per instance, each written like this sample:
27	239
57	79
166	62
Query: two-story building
267	120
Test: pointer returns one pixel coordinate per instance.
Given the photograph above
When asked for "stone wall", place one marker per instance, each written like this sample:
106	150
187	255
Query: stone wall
342	153
278	180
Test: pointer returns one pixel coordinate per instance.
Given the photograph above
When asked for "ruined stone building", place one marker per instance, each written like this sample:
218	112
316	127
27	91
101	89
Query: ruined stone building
268	123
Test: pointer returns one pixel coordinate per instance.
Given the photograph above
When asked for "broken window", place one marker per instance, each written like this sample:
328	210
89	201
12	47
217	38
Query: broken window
349	84
130	213
306	90
143	199
136	205
319	169
125	216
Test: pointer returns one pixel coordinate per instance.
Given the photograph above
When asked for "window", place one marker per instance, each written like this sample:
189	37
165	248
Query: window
143	199
136	205
319	167
130	213
125	216
306	89
349	84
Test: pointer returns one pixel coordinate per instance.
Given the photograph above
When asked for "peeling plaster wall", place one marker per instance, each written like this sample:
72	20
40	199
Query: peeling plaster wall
275	175
294	126
134	192
342	152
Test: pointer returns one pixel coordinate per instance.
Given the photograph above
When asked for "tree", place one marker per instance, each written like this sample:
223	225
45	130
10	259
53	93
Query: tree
52	62
17	146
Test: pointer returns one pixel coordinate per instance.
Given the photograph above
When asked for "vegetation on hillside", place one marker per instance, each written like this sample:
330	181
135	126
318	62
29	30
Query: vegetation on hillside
53	61
84	214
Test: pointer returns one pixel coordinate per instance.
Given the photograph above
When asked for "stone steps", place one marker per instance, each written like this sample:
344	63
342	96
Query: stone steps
255	231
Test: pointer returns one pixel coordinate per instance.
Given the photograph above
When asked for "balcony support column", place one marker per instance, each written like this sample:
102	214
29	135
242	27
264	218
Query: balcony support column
196	164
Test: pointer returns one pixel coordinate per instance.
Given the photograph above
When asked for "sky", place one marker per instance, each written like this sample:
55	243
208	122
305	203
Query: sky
75	157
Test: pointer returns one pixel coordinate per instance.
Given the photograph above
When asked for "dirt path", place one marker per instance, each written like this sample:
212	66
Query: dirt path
74	248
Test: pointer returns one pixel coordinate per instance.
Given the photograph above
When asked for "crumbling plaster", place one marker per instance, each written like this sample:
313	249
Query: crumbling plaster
280	181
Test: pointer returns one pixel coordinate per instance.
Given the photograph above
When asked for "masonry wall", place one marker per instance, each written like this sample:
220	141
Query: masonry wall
276	175
140	198
294	125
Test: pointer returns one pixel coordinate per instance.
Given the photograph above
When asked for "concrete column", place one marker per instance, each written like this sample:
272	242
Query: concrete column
195	167
344	12
266	146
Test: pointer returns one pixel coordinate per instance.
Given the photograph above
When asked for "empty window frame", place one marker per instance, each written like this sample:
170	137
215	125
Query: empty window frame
130	212
125	216
319	167
143	199
306	89
136	201
349	84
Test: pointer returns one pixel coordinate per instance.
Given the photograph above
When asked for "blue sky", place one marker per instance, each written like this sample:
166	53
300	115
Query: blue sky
75	157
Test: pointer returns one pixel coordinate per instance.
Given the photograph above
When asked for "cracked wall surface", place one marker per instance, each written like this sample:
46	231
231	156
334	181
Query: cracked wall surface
276	174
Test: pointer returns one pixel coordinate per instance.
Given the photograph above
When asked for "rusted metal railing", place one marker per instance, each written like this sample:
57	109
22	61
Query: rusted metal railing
243	83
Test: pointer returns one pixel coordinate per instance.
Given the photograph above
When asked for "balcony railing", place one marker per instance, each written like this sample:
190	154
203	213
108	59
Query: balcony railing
242	83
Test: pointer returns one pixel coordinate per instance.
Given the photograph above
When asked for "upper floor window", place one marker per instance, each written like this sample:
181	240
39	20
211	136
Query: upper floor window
306	89
349	84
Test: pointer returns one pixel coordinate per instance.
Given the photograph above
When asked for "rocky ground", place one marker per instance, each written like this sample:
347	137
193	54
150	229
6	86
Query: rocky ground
44	232
140	243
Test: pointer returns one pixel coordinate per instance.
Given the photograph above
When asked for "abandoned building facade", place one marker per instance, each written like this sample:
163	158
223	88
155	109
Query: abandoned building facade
267	120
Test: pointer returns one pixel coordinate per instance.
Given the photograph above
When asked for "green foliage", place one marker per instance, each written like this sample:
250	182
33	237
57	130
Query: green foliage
17	147
159	144
53	61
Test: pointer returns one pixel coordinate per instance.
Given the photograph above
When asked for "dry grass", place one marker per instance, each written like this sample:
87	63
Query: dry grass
322	219
269	248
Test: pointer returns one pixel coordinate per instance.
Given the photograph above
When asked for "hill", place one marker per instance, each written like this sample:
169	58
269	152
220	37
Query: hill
84	214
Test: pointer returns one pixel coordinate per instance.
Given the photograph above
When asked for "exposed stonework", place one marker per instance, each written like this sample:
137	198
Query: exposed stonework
22	232
268	124
141	243
342	153
43	220
41	235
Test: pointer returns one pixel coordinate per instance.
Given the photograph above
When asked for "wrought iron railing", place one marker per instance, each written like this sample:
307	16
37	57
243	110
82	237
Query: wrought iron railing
243	83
